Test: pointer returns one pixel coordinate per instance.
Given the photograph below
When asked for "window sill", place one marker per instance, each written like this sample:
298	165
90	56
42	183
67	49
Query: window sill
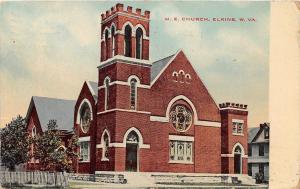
104	159
180	162
237	134
88	161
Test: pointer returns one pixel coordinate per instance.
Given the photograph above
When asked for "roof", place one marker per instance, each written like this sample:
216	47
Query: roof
159	65
93	86
252	133
58	109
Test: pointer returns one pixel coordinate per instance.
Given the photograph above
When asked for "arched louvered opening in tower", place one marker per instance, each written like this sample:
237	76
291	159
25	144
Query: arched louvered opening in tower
128	34
106	45
113	41
139	43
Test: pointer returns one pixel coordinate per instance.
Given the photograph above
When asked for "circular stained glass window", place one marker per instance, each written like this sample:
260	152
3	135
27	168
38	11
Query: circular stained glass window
181	118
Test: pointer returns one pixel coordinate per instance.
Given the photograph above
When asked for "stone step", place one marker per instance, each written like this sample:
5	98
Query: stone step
148	179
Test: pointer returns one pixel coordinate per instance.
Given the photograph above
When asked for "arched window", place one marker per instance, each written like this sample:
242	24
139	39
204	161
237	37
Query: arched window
61	148
106	83
132	137
33	132
139	43
106	44
133	95
181	76
237	150
128	32
113	41
85	117
105	143
175	76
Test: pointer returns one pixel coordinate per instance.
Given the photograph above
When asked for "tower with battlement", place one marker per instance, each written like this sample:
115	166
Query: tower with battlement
234	134
125	33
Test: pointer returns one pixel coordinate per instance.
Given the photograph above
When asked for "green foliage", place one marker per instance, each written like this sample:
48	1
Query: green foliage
15	143
51	153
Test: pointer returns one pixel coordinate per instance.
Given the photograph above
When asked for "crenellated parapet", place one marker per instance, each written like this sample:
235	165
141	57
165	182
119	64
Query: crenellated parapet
119	8
231	105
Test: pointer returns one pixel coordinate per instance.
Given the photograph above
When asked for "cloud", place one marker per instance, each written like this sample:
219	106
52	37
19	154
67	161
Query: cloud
45	55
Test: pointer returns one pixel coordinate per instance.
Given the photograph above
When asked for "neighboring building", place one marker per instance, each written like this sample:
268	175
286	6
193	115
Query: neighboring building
152	116
258	150
43	109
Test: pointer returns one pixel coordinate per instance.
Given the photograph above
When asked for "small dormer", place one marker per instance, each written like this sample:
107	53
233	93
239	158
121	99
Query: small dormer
265	127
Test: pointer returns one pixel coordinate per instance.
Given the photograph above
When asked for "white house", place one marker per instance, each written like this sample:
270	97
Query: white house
258	150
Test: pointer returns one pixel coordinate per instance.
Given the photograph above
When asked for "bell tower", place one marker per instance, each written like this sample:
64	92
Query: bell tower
124	57
123	82
125	33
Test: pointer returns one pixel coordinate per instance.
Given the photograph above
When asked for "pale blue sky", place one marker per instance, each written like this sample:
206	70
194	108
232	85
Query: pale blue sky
50	48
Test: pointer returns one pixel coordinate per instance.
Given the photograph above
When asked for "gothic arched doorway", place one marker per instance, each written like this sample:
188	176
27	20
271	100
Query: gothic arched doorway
238	160
132	147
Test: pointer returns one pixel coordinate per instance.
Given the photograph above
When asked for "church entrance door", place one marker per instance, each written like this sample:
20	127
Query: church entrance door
132	152
237	160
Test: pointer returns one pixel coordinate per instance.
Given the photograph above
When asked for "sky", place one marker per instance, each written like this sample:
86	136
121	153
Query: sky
51	48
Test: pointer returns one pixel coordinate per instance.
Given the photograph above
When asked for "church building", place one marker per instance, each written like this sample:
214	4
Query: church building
153	116
148	116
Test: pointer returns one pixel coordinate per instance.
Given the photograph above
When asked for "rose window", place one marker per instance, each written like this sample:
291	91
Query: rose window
181	118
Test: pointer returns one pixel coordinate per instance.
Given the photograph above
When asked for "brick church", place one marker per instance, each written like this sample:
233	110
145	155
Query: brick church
148	116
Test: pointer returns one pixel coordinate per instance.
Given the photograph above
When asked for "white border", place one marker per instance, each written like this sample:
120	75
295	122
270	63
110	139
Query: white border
124	14
102	144
126	83
122	110
181	138
136	90
90	87
106	91
230	108
238	120
128	60
84	139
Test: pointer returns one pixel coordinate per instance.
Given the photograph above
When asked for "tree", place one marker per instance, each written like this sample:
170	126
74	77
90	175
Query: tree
51	153
15	143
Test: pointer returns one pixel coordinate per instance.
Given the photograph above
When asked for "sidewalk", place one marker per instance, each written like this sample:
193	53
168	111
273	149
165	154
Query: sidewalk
88	184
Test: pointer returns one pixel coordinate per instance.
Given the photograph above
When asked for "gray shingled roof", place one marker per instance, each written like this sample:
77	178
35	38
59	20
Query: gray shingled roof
252	133
94	86
59	109
157	66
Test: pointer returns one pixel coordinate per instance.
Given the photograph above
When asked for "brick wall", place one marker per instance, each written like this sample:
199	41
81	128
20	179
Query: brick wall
86	94
165	88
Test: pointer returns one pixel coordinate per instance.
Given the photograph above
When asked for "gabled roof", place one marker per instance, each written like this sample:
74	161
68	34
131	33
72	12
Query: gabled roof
52	108
93	86
252	133
159	65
